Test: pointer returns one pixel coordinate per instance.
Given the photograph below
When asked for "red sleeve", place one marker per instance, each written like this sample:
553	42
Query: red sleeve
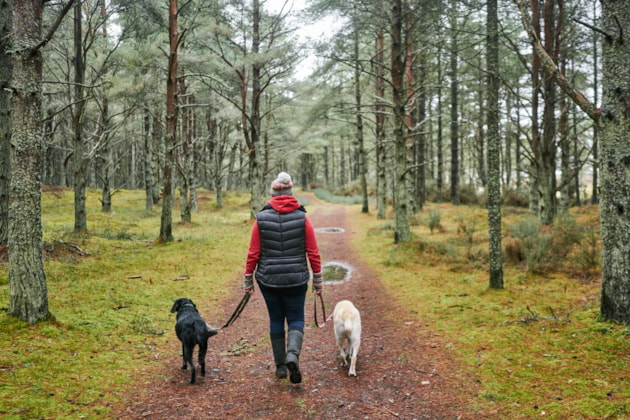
254	250
312	250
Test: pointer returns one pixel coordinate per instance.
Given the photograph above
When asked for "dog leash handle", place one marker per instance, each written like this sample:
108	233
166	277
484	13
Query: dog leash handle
321	300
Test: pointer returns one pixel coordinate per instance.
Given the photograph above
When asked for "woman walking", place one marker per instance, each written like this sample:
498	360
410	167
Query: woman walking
281	248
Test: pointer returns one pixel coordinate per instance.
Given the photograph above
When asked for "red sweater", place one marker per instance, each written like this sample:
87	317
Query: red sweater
284	204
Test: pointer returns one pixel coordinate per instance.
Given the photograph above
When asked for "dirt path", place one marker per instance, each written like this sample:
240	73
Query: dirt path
403	370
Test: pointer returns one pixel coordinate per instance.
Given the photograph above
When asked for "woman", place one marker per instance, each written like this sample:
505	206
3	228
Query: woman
281	247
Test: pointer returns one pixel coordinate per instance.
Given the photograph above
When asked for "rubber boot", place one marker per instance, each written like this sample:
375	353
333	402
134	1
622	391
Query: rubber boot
279	354
294	347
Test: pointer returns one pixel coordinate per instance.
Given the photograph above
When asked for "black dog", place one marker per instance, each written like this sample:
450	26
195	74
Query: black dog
191	330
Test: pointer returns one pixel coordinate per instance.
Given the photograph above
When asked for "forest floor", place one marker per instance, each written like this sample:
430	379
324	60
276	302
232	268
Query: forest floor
405	371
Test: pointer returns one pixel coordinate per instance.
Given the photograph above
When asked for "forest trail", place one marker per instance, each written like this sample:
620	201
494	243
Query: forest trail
404	371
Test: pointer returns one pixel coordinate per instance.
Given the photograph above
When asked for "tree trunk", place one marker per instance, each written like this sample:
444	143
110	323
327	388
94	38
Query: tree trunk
254	165
28	295
148	159
567	172
108	175
596	41
359	128
421	136
108	167
615	158
184	160
6	69
410	109
480	144
401	193
379	110
159	144
166	220
440	132
494	149
454	108
544	147
78	158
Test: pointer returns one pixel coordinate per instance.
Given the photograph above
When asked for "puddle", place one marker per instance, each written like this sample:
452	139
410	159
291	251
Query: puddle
336	272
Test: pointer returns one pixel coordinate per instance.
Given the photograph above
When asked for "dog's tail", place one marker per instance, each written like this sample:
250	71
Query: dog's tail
347	325
203	333
209	333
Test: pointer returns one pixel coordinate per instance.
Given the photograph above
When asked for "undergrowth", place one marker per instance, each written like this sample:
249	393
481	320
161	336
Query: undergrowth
537	348
110	293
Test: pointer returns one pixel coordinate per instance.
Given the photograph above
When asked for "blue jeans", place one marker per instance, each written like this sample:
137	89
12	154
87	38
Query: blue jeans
285	305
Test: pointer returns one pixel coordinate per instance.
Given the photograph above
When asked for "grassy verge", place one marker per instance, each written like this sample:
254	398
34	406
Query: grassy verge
112	307
537	347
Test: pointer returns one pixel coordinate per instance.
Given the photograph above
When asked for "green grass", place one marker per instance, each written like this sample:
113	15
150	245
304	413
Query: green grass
111	309
537	348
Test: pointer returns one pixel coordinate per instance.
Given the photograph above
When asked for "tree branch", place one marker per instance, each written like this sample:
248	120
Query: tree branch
552	70
55	26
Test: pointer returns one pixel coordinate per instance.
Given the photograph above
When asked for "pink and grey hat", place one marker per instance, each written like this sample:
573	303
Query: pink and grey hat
282	185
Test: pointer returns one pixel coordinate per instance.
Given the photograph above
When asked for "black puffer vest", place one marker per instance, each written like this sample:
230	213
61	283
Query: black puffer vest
282	261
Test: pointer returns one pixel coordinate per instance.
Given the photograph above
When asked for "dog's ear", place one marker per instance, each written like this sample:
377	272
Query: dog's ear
175	307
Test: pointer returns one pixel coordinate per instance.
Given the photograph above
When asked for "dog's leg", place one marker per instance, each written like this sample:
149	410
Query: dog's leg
188	352
184	364
342	351
203	348
353	357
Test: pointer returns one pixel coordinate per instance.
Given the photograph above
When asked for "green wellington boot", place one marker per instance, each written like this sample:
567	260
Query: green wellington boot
279	354
294	347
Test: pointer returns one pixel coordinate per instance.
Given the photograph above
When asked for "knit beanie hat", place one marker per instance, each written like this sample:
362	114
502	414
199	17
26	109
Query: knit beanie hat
282	185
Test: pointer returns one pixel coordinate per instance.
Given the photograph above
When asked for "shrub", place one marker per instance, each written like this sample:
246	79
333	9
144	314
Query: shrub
546	248
434	220
513	250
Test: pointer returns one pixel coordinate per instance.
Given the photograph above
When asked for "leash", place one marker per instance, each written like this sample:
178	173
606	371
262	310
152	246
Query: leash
237	311
321	300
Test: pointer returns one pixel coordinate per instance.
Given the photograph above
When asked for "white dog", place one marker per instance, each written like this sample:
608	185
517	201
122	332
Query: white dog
347	322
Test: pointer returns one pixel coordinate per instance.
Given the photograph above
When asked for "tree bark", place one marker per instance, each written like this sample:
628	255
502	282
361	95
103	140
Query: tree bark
108	166
615	159
28	295
401	193
359	127
596	41
494	148
421	135
454	108
6	70
439	146
148	159
159	144
166	220
78	157
379	110
254	165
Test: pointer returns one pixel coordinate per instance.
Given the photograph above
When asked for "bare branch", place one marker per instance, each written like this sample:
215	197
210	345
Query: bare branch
552	70
55	26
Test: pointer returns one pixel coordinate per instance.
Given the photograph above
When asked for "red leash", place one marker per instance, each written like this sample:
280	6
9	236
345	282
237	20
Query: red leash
321	300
